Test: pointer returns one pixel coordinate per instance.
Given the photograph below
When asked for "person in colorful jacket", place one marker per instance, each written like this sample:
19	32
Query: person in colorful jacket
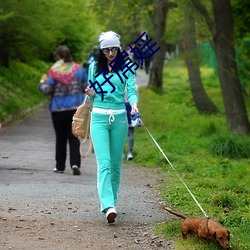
65	83
109	124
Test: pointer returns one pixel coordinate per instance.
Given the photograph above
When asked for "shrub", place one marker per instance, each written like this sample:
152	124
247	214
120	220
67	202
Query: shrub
231	146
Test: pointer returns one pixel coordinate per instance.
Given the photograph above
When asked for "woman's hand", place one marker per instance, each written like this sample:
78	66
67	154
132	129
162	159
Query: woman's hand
43	79
89	91
134	109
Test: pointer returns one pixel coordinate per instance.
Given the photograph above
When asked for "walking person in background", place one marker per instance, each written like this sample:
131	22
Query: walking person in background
131	129
130	133
66	83
93	54
109	125
147	60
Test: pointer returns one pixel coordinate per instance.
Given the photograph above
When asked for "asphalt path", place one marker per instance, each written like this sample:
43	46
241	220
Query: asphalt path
31	190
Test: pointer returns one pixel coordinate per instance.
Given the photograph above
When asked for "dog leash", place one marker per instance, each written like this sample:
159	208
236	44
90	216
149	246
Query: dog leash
174	170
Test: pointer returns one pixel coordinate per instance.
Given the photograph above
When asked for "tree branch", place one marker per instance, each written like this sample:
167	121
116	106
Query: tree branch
202	9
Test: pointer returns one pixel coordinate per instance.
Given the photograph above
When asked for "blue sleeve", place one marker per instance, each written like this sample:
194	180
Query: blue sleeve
48	86
50	81
81	74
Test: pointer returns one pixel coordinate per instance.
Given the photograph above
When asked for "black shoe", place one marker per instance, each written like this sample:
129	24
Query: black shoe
76	170
58	171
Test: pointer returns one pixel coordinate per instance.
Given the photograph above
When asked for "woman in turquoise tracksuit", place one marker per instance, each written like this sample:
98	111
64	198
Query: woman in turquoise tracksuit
109	123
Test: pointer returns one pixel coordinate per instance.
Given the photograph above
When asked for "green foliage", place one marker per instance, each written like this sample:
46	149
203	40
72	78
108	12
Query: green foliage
242	37
29	33
219	183
175	25
175	28
243	59
241	17
224	200
231	146
127	18
19	87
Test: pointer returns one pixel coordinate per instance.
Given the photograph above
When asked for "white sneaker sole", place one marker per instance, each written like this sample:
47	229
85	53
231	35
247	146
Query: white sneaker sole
58	171
111	215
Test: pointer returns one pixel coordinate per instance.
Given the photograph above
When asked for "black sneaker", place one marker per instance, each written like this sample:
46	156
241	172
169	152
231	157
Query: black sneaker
58	171
76	170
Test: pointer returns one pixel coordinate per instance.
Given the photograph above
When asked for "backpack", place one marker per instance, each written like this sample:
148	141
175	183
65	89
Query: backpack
81	126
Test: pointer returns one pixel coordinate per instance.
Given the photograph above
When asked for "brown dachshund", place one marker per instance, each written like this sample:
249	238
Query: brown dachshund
204	229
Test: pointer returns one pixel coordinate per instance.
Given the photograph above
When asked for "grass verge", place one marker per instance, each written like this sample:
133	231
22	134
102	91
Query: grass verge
214	164
19	89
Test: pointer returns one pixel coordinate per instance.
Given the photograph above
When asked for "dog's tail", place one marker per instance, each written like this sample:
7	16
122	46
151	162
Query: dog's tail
175	213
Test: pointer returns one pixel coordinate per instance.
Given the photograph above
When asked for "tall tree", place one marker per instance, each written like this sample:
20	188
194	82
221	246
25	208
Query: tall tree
223	38
201	99
156	72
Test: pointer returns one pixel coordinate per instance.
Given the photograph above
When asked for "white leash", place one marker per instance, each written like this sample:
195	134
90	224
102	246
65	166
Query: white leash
174	169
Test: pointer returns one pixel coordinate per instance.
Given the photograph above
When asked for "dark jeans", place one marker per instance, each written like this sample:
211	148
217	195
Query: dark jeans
130	129
131	139
147	65
62	122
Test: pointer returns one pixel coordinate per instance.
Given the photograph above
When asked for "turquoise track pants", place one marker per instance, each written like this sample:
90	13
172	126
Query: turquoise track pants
108	138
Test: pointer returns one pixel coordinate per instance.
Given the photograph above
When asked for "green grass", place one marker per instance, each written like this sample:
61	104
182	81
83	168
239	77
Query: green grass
19	88
214	164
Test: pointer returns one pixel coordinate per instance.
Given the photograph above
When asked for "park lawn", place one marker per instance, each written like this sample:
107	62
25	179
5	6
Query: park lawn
190	140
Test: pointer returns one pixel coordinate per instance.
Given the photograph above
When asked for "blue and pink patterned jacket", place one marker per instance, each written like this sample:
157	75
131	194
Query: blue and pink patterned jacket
65	86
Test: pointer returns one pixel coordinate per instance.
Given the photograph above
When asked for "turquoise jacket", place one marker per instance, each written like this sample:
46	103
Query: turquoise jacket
112	96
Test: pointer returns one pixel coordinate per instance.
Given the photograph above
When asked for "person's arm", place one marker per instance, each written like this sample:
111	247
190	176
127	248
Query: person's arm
46	85
81	74
132	93
84	76
134	108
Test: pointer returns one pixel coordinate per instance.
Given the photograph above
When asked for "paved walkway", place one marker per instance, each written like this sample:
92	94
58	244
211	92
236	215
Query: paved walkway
27	158
141	78
29	189
26	163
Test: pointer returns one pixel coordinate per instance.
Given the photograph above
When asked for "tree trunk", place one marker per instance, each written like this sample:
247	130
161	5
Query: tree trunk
201	99
156	71
223	38
233	97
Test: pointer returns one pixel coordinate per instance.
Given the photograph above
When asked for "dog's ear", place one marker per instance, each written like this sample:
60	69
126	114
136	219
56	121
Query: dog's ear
228	237
214	235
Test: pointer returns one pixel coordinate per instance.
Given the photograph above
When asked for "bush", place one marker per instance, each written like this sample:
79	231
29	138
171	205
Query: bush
19	88
231	146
